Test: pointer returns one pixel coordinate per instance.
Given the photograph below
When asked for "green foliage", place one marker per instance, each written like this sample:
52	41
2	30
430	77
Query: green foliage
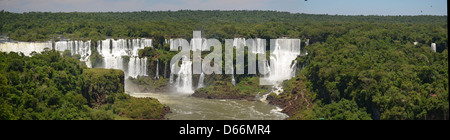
342	110
140	108
50	86
42	26
378	67
150	84
250	86
356	64
220	90
45	86
101	85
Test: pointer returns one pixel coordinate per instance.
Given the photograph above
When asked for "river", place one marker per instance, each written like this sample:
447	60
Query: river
185	107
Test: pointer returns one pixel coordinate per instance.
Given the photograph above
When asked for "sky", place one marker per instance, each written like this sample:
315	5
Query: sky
332	7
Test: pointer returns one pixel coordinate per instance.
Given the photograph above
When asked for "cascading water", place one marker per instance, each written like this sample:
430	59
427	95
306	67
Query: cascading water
114	52
267	67
233	81
196	43
137	67
157	69
281	67
172	70
184	79
260	46
293	68
25	47
76	47
201	80
282	63
238	41
183	83
119	54
433	47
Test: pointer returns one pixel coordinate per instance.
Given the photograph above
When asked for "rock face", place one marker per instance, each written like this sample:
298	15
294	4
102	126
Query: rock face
294	99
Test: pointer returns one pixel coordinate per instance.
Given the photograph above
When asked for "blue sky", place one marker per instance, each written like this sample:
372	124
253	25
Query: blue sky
340	7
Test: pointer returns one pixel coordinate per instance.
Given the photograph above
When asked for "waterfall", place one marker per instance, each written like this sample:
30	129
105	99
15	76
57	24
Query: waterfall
172	70
196	44
184	79
114	52
157	69
282	64
174	44
201	80
433	47
259	46
238	41
25	47
267	68
306	44
293	68
76	47
233	81
281	67
137	67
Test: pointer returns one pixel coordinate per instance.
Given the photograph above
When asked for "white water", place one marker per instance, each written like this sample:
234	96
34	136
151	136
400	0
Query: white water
233	81
201	80
293	68
113	52
197	44
76	47
25	47
137	67
260	46
433	47
239	42
282	66
172	71
184	79
175	44
157	69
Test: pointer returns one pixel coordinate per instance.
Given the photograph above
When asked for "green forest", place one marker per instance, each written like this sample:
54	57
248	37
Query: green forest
51	86
358	67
